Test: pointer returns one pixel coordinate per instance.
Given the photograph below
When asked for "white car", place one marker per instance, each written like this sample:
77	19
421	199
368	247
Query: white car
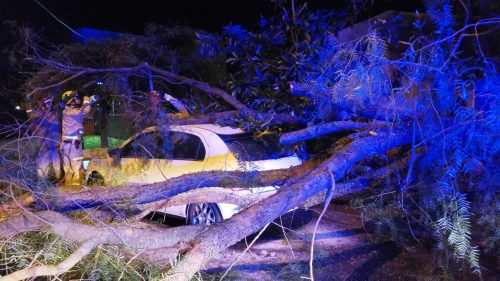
160	153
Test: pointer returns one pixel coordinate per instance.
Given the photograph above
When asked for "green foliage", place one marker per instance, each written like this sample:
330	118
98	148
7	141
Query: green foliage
451	94
108	264
263	61
33	249
104	263
453	229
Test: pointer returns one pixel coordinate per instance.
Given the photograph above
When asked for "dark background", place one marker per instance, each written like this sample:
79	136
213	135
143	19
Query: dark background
132	17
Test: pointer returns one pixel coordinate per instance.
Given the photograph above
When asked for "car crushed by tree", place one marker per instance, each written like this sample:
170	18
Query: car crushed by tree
159	153
411	117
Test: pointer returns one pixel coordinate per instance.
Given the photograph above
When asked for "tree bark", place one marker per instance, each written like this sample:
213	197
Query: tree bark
358	184
217	117
136	238
65	202
140	238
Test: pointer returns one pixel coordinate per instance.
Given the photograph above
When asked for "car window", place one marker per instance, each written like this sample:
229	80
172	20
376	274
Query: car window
183	146
246	147
165	145
145	146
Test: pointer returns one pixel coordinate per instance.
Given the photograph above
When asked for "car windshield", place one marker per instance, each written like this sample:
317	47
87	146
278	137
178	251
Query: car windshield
247	147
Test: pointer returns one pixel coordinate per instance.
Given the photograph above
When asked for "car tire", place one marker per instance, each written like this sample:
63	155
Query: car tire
95	178
203	213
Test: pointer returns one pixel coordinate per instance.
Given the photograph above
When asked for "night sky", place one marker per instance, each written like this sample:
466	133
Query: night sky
132	16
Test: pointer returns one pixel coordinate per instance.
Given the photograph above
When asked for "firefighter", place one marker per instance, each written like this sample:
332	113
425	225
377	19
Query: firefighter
157	109
72	134
155	106
46	127
182	109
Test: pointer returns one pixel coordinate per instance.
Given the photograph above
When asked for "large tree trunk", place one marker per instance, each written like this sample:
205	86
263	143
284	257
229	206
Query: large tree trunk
213	240
320	130
59	200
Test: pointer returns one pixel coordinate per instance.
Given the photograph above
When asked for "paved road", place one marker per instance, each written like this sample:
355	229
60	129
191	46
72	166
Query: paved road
343	251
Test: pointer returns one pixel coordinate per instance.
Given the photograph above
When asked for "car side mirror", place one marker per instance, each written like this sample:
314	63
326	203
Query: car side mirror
114	153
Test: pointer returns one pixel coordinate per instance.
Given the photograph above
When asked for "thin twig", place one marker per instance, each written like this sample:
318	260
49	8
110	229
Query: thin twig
286	238
246	249
328	198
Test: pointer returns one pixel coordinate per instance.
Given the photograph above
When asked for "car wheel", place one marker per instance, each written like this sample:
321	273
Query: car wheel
95	178
203	213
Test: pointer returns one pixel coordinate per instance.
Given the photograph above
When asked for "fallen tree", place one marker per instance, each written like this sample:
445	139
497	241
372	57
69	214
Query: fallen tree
206	242
392	117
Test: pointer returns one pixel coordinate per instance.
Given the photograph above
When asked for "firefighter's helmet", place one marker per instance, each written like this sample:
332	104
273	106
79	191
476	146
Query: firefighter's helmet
154	94
44	102
70	97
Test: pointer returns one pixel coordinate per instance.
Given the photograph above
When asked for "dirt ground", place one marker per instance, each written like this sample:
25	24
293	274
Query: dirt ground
343	251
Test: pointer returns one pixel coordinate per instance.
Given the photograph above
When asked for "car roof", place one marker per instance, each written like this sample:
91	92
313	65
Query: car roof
217	129
221	130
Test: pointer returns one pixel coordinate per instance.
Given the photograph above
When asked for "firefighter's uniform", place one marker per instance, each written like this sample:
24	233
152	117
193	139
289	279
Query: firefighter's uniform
72	138
46	128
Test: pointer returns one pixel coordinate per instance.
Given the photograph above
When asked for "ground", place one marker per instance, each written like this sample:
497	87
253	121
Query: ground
343	251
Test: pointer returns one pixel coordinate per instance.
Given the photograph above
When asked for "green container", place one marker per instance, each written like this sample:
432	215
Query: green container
94	141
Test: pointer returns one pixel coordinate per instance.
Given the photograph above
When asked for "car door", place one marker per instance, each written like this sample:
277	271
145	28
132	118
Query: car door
181	153
158	156
139	157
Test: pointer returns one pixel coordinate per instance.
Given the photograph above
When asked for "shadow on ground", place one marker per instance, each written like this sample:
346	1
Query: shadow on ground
380	253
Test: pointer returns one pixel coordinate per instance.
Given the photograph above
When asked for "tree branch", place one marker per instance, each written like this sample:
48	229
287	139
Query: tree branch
211	194
65	202
358	184
217	238
378	110
242	110
320	130
170	76
217	117
179	79
134	237
80	72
